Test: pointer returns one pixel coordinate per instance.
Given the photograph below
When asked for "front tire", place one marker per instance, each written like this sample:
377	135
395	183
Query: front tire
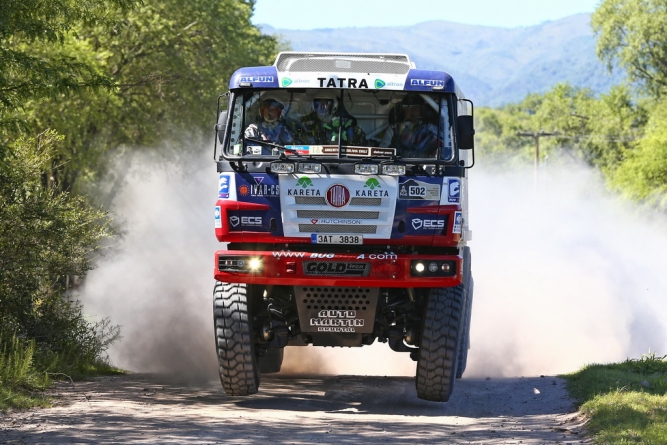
469	284
440	340
237	362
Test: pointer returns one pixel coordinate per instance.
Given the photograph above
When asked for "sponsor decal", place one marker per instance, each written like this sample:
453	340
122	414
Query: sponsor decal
413	189
259	189
218	221
335	268
428	224
322	255
283	254
453	190
427	83
304	182
223	187
458	222
372	184
254	221
335	322
342	82
350	222
234	221
336	314
371	193
379	83
302	192
321	329
257	79
338	196
265	190
287	81
254	150
378	256
244	190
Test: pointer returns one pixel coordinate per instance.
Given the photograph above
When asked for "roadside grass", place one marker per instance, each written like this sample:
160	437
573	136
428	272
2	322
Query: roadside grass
26	374
626	403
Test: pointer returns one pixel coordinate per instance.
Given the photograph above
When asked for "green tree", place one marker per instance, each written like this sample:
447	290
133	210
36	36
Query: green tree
22	74
633	33
643	174
168	61
45	236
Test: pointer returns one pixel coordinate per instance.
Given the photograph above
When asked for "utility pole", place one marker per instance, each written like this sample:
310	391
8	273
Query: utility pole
536	136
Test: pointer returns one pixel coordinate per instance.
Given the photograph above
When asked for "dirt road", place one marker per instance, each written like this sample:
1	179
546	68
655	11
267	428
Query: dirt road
150	409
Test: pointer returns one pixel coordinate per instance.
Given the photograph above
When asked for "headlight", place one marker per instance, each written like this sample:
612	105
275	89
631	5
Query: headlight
282	167
309	167
366	169
393	169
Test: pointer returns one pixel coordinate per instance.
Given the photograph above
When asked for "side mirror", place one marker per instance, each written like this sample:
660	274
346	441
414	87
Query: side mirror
221	126
465	132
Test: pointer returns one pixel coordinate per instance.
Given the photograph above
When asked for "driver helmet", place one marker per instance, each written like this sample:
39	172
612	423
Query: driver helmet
325	108
270	110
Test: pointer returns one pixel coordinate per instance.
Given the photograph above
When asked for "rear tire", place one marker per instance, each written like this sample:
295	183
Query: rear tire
440	342
238	367
272	361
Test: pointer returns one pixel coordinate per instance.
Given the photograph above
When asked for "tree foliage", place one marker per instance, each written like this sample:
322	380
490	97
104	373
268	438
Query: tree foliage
24	23
643	174
594	129
167	61
45	236
634	34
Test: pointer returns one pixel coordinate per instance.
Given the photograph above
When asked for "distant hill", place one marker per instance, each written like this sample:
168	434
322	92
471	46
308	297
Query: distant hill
493	66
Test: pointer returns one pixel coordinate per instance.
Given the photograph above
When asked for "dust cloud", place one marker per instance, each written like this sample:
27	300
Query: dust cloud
563	277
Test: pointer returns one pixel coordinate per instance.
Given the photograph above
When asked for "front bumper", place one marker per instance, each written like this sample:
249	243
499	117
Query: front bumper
335	269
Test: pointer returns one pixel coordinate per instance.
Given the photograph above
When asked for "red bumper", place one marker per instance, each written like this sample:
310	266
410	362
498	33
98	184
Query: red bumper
324	269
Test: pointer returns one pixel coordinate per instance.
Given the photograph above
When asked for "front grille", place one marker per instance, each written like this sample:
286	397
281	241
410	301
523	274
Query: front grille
336	214
371	202
334	228
337	298
311	200
336	309
319	200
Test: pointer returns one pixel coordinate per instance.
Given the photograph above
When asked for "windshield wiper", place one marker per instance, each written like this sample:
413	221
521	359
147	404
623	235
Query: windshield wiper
271	144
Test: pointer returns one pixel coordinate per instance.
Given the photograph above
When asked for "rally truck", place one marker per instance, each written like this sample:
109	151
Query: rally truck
348	230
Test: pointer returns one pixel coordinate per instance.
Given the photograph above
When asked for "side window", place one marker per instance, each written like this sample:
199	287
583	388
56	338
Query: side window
237	123
446	130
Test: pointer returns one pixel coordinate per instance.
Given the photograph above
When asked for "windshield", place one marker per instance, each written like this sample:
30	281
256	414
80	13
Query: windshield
316	122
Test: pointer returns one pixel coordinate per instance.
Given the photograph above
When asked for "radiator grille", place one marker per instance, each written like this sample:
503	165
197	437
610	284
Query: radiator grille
371	202
310	200
333	228
319	200
336	214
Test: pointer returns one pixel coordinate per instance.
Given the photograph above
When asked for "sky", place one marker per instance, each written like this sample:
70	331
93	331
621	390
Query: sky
313	14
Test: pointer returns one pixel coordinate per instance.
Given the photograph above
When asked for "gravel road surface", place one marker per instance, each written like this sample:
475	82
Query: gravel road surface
155	409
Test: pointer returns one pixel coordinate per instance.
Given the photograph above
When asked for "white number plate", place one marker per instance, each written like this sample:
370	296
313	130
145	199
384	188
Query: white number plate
318	238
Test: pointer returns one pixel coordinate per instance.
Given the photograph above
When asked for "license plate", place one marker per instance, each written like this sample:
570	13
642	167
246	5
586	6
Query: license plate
318	238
